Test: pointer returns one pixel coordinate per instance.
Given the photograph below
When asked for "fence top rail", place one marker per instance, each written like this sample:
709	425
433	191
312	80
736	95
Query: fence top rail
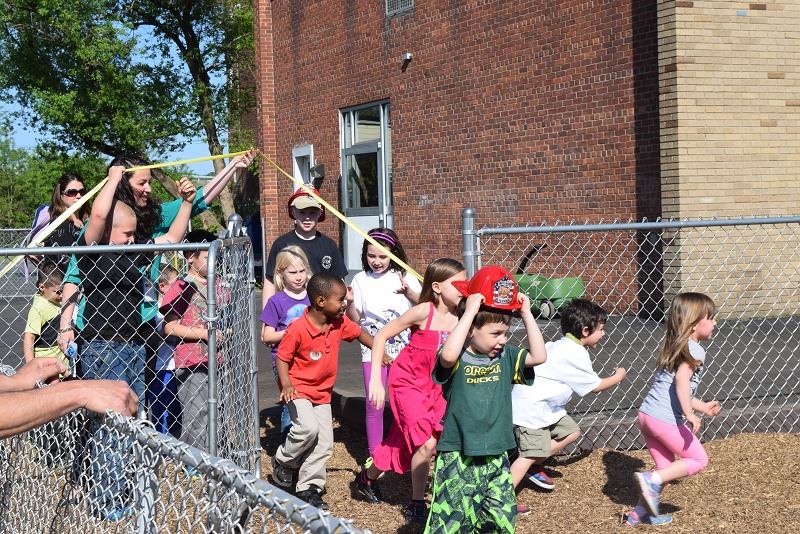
252	488
656	225
119	249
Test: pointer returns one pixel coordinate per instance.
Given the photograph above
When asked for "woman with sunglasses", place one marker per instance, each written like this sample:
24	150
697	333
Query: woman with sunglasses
68	190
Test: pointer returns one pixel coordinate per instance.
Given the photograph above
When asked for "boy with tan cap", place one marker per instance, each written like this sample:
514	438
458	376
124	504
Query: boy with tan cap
323	254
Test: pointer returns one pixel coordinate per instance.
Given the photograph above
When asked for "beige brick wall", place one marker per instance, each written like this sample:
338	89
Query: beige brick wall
729	81
730	108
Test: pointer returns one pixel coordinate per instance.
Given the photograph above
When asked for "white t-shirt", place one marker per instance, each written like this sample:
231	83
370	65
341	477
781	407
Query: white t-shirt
377	303
567	370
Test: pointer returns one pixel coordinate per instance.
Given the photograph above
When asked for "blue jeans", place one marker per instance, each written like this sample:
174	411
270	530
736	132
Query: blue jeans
165	408
114	360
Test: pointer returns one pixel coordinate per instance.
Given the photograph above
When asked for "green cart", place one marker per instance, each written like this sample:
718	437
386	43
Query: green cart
549	295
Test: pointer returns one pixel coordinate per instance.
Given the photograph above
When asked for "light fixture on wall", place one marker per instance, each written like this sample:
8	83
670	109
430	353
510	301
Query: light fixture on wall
407	57
317	175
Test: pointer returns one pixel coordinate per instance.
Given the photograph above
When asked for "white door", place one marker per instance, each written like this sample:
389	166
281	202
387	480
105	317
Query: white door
366	175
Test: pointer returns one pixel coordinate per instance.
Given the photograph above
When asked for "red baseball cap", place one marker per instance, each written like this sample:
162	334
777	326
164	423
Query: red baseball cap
498	287
302	200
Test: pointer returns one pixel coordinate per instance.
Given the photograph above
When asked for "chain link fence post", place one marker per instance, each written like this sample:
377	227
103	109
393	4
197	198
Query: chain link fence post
234	228
211	324
252	313
468	239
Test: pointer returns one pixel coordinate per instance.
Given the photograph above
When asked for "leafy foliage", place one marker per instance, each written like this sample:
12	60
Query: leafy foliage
27	179
133	77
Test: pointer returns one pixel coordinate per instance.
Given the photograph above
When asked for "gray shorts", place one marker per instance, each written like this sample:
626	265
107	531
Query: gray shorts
535	442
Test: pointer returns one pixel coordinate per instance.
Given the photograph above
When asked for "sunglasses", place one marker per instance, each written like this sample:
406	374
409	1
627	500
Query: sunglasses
74	192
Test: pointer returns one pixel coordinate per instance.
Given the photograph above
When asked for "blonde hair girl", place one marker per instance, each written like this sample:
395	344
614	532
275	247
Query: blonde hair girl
287	258
670	405
291	276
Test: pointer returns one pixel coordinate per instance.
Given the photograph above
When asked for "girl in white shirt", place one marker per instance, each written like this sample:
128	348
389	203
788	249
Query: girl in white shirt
381	292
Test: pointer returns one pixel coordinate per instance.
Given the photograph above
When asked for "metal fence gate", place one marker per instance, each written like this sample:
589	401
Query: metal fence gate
53	478
750	267
232	390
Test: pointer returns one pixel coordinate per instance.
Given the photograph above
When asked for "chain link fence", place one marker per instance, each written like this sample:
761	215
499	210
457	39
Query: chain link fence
54	479
16	280
171	320
119	474
750	267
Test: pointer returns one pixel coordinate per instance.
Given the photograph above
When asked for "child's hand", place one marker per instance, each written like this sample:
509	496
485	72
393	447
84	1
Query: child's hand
711	408
288	393
403	289
523	299
349	295
621	373
473	304
387	360
377	395
694	422
186	189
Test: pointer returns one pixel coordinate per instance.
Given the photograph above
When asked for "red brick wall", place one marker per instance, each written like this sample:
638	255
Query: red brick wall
528	111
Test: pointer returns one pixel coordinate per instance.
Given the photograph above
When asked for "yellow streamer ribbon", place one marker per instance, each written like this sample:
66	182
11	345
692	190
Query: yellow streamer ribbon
51	227
186	161
342	217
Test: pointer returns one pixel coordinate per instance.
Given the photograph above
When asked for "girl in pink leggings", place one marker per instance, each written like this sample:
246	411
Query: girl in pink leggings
667	415
382	292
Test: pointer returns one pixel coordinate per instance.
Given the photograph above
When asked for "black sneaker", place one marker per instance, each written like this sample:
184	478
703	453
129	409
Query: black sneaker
416	512
313	496
368	489
281	474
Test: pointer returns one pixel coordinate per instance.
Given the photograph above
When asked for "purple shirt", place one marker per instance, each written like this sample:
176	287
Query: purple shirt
281	310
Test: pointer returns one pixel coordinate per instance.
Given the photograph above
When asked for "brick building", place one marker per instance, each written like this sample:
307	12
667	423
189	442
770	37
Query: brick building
527	111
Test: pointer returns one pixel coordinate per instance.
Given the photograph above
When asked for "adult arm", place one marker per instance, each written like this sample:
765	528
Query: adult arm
215	186
177	229
23	410
69	297
102	206
31	373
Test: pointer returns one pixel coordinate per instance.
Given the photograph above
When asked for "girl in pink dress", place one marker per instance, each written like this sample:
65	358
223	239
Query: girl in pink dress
416	402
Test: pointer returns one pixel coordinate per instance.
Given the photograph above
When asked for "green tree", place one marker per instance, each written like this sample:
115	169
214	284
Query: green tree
27	179
125	77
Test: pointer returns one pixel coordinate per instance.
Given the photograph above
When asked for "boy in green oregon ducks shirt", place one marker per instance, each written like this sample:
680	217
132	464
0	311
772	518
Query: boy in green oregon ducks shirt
472	487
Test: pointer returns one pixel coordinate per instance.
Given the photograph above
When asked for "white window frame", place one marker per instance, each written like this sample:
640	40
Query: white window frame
301	151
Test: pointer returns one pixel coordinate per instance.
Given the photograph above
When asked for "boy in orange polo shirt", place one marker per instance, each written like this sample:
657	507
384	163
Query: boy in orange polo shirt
307	360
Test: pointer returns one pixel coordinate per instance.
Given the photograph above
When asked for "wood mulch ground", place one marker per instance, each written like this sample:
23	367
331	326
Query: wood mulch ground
752	484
